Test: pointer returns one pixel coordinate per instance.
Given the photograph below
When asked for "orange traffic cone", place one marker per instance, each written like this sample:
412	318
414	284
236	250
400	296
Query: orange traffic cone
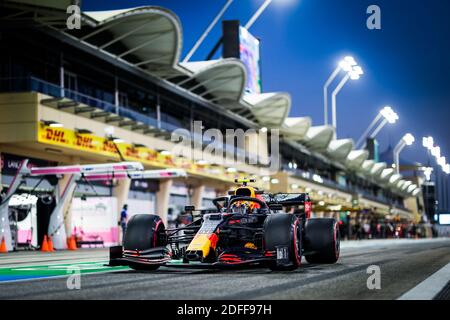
44	246
50	244
3	248
72	243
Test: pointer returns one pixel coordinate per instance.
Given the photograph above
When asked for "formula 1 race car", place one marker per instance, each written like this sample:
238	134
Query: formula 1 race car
247	228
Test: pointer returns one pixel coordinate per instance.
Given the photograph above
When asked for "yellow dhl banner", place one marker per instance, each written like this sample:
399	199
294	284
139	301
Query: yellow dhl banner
67	138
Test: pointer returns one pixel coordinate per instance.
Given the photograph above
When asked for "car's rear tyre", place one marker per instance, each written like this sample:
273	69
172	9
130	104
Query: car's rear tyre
322	240
284	230
144	231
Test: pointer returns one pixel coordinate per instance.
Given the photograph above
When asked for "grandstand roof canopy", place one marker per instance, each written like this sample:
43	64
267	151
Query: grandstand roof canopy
378	168
411	188
367	166
340	149
148	37
295	128
270	109
386	174
405	185
356	158
394	179
220	81
318	138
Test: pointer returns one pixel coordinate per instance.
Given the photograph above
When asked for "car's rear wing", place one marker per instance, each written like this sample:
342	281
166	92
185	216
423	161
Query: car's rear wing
287	199
301	200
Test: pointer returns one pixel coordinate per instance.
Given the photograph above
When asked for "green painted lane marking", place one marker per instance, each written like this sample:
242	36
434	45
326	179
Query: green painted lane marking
44	271
57	270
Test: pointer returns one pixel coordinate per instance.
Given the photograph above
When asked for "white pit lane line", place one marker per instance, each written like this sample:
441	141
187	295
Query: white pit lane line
430	287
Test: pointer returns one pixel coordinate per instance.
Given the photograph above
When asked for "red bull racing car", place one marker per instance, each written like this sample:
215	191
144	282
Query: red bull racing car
247	228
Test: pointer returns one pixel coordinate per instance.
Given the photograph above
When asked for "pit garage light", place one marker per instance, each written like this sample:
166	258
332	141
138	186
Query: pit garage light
52	124
389	114
139	145
274	181
292	165
82	131
164	152
202	162
321	203
264	129
294	186
231	170
408	139
265	179
116	140
317	178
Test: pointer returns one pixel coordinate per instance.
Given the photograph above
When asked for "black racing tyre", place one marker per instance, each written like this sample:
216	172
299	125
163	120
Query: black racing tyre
282	229
322	238
144	231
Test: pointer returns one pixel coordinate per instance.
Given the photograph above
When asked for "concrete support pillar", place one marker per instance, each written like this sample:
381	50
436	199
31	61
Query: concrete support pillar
411	204
67	209
120	192
62	183
197	196
1	186
162	199
61	214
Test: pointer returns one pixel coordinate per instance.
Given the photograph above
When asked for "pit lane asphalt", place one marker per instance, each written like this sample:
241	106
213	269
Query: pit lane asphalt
403	264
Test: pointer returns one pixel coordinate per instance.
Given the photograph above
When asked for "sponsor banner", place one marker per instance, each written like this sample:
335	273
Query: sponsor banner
67	138
11	163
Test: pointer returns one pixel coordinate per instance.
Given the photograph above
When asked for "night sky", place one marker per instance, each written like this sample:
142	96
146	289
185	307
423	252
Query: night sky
406	64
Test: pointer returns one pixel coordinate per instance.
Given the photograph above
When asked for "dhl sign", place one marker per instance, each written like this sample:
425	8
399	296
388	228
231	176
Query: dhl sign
67	138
